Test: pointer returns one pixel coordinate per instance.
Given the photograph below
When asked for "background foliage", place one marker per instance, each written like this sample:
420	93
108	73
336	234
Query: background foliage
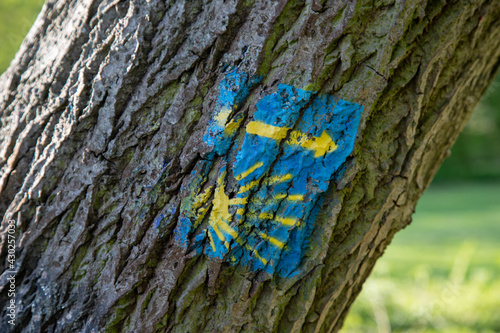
16	18
476	154
441	274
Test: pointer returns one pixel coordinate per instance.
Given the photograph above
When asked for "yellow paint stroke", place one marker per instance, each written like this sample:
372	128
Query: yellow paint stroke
272	240
232	127
269	181
220	209
297	138
240	211
238	201
296	197
321	145
249	171
248	186
293	197
199	201
268	131
220	235
288	221
228	230
203	198
201	215
222	116
309	87
279	179
266	216
256	254
220	216
212	243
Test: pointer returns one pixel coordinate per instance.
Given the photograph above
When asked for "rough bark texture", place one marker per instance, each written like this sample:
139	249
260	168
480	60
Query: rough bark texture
103	112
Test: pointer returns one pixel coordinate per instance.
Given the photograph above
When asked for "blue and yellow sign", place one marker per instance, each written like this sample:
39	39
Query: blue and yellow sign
290	152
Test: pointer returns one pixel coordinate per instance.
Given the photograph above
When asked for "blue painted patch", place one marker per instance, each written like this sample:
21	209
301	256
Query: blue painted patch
181	232
290	152
166	217
158	220
233	90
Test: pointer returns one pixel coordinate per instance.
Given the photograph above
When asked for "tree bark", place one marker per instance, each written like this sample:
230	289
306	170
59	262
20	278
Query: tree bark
113	170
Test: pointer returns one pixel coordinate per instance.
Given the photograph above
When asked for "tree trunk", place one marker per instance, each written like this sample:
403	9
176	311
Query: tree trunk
223	166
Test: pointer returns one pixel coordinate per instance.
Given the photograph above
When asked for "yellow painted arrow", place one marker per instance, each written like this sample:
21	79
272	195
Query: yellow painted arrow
268	131
321	145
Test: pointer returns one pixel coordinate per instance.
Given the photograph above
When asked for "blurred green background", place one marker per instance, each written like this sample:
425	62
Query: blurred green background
440	274
16	18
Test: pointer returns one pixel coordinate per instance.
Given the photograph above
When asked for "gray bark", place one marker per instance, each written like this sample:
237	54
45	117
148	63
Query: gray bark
103	111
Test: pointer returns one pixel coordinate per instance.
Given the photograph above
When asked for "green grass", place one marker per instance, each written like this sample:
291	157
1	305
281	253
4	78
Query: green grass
16	18
442	273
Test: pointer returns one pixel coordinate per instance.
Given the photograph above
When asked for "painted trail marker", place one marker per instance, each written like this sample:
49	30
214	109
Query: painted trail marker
290	152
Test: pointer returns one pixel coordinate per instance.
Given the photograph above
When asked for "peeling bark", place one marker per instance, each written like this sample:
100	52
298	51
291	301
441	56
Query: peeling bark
103	116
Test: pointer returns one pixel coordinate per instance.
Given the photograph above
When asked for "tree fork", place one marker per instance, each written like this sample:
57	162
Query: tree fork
119	179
